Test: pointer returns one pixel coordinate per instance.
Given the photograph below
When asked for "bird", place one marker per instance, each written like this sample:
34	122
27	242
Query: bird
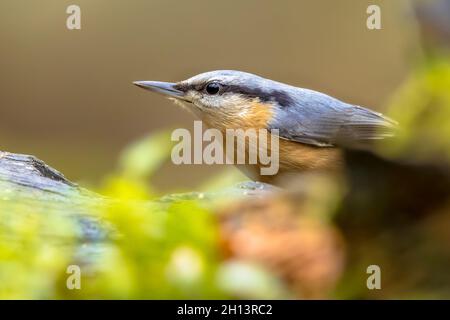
313	128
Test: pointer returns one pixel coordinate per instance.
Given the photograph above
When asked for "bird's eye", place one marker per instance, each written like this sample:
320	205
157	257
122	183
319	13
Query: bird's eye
212	88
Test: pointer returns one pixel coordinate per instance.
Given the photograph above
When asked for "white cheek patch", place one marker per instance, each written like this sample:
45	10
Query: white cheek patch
180	103
177	102
212	101
190	107
226	102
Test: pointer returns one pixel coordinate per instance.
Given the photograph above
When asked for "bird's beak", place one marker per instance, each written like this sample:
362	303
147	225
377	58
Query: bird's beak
166	88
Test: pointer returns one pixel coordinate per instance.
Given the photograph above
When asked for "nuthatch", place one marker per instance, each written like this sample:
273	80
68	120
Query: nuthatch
312	126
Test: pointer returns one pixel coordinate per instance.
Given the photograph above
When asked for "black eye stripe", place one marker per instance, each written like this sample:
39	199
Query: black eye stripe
182	87
278	96
281	97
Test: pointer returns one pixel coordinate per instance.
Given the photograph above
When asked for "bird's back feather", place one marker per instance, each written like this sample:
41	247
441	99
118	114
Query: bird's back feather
321	120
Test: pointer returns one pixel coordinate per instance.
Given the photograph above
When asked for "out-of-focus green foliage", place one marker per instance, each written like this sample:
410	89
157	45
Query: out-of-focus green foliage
422	107
36	246
159	252
157	249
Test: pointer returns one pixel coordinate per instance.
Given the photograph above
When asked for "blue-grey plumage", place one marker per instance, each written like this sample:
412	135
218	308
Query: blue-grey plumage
318	119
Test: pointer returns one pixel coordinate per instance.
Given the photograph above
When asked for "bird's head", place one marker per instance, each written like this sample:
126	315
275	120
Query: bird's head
226	94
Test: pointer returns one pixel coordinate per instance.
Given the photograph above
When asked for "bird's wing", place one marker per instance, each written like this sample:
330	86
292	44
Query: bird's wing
321	120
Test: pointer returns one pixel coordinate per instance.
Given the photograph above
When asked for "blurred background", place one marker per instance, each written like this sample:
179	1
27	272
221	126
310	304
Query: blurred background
66	95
